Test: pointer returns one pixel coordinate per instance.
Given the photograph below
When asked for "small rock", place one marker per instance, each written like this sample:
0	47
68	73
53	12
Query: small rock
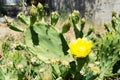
2	19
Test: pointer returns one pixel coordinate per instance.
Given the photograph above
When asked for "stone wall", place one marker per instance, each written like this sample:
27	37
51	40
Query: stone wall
116	6
103	9
96	11
68	5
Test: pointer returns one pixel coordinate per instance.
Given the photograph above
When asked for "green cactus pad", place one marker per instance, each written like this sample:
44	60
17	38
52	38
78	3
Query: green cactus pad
45	42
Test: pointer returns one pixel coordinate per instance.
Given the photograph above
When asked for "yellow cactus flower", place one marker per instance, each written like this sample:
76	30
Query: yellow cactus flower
80	47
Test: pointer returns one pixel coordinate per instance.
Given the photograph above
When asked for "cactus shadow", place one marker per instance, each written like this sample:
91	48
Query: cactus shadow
64	44
34	36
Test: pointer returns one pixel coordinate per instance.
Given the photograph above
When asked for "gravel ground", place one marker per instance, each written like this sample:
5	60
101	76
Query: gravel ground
6	33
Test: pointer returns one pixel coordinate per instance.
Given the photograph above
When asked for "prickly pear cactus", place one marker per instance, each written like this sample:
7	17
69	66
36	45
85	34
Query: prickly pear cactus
45	42
79	28
109	45
43	39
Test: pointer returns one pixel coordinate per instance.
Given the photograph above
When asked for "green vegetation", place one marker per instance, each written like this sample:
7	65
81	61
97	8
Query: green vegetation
45	53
